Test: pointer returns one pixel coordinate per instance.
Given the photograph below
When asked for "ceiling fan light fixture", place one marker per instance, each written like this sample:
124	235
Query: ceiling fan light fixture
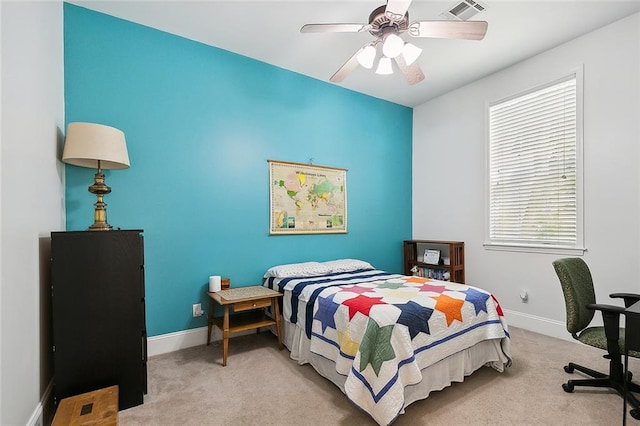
392	46
367	56
388	23
384	66
410	52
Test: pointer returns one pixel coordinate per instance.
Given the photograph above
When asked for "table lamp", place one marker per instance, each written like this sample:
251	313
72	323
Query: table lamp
98	147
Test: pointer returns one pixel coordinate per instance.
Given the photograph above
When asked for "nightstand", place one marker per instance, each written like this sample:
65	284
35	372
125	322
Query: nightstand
249	302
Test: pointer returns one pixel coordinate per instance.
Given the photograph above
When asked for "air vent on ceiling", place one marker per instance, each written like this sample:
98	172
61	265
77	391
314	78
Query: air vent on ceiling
464	10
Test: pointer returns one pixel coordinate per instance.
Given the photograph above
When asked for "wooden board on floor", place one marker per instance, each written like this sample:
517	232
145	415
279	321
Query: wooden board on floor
96	408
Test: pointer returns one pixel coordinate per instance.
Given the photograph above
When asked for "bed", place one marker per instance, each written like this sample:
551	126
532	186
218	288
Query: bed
387	340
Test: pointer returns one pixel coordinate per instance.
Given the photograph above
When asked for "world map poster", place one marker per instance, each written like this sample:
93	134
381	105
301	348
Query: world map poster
307	199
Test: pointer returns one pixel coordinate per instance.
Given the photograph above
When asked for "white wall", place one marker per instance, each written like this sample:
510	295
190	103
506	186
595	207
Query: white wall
449	174
31	189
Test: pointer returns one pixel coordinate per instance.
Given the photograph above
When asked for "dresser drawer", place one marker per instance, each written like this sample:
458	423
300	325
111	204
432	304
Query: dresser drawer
251	304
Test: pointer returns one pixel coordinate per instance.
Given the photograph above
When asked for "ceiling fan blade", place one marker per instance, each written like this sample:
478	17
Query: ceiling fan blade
334	28
412	72
468	30
397	8
347	67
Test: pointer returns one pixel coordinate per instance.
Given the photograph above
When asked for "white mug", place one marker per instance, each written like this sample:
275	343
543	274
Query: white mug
215	283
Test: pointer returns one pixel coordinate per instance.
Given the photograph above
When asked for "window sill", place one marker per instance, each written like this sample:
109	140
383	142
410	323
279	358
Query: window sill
549	249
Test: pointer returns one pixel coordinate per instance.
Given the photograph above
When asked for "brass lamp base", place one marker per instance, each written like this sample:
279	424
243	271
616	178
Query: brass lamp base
100	214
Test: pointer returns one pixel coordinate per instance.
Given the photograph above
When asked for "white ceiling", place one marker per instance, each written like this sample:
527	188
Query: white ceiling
269	31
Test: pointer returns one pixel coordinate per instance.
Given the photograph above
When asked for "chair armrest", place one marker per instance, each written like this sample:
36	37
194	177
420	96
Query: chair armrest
629	298
606	308
611	317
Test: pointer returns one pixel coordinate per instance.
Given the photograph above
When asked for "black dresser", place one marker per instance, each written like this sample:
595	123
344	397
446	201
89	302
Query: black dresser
99	329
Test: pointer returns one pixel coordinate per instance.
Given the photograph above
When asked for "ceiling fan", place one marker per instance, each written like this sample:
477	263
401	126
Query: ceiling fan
386	24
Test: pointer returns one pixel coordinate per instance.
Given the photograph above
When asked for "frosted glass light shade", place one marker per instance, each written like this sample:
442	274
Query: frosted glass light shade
87	143
366	57
384	66
410	53
392	46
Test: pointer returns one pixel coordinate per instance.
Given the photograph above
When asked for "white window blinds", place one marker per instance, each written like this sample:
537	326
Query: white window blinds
532	167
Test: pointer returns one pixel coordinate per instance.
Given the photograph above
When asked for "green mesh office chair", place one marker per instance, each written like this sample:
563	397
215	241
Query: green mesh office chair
580	301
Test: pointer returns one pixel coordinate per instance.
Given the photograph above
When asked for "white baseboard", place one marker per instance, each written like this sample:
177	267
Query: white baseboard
36	418
170	342
536	324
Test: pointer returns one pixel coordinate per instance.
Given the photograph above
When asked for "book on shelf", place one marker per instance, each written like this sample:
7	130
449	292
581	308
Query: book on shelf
436	274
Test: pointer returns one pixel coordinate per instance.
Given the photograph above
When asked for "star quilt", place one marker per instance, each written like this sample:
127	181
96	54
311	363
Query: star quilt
382	329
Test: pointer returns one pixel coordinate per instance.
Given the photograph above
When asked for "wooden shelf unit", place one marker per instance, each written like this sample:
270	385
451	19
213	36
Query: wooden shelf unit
453	250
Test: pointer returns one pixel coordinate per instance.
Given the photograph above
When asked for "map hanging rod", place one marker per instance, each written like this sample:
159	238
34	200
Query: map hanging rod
306	164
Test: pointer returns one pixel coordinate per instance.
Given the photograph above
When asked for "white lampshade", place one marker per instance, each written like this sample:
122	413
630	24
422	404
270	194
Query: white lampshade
410	53
87	143
392	46
366	56
384	66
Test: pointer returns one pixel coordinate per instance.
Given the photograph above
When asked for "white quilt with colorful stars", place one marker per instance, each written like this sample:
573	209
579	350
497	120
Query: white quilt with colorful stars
382	329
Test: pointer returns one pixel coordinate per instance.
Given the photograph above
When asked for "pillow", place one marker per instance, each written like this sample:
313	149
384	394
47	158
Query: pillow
347	265
304	269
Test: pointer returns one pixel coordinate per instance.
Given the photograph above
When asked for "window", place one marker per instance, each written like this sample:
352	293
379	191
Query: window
534	169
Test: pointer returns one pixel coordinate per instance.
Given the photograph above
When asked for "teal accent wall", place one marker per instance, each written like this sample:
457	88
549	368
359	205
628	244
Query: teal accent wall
200	124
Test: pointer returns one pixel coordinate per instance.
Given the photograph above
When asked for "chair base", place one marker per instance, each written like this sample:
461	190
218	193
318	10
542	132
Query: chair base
614	381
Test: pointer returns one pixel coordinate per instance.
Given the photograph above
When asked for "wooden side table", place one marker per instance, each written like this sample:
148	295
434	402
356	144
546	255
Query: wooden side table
250	301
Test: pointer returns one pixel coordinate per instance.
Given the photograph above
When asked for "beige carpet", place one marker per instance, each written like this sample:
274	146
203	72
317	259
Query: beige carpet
263	386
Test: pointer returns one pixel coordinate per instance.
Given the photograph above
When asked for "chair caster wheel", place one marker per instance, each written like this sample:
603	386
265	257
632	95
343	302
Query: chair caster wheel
635	413
568	387
568	369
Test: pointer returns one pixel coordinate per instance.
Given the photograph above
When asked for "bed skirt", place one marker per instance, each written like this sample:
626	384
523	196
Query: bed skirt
436	377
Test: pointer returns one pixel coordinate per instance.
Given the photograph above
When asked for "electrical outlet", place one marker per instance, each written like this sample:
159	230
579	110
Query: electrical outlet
196	310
